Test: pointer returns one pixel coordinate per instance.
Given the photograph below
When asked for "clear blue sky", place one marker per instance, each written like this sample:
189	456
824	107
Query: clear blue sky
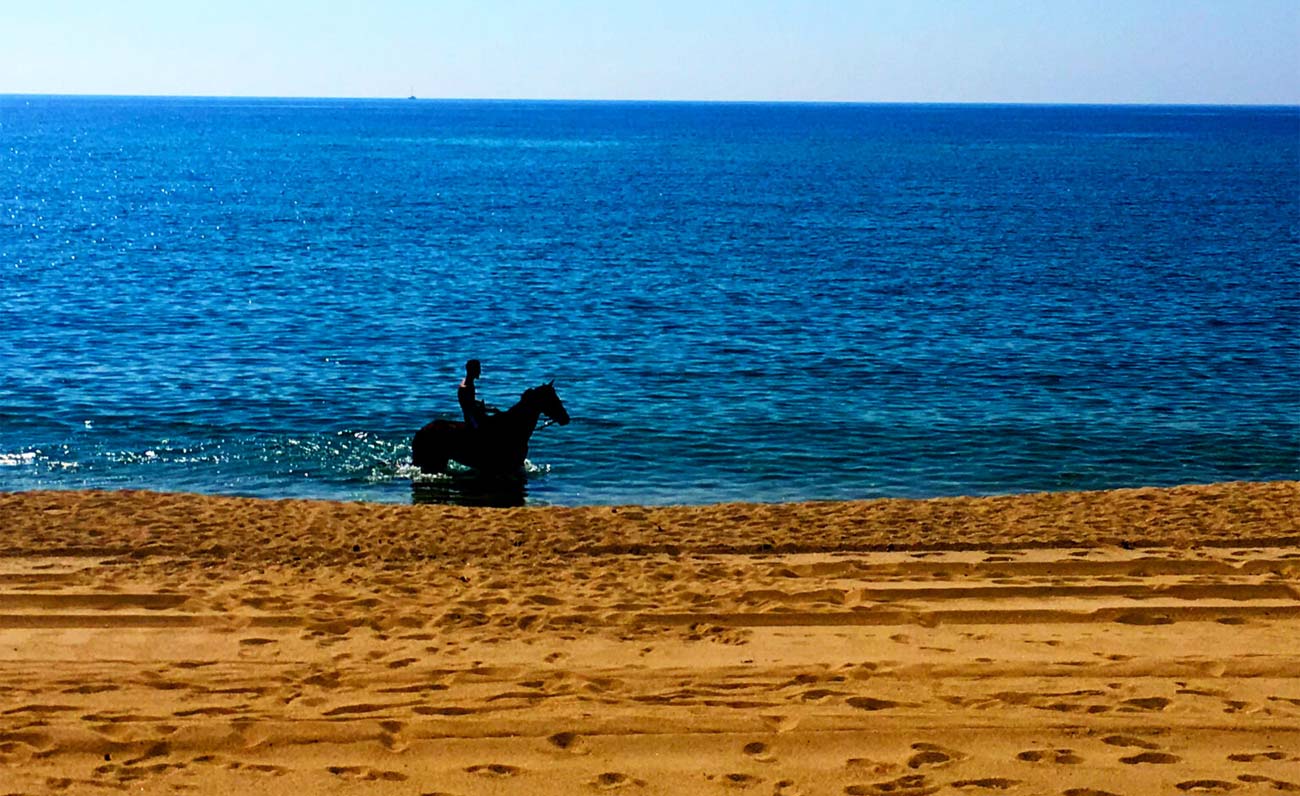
1158	51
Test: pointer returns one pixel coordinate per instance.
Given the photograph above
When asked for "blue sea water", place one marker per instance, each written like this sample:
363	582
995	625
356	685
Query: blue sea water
737	301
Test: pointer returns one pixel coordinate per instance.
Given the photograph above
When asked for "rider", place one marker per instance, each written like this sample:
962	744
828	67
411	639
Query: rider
475	410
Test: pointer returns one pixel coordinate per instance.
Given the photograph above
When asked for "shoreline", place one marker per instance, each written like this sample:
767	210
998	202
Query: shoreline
1204	514
1100	643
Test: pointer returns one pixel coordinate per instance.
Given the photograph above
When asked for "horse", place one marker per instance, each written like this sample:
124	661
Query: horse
498	446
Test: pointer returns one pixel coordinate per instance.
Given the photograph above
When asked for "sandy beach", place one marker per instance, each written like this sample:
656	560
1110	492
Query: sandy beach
1129	642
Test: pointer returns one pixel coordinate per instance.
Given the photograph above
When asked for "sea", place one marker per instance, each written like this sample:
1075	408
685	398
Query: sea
736	302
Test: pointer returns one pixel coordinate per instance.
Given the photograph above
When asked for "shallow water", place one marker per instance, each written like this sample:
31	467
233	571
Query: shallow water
737	302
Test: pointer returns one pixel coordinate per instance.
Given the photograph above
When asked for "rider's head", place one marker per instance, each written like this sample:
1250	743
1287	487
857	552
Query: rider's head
472	369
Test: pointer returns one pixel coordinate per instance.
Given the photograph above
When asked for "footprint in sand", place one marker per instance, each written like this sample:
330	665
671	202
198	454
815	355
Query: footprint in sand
390	736
435	710
1206	786
1143	618
1277	784
739	781
878	767
1060	757
870	703
779	723
613	780
1146	703
987	783
493	770
39	710
258	768
30	741
930	755
1253	757
758	751
819	694
543	599
366	774
1128	740
364	707
569	742
910	785
1159	758
160	749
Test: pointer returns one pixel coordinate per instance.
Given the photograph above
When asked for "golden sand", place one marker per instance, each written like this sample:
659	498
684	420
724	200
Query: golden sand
1129	642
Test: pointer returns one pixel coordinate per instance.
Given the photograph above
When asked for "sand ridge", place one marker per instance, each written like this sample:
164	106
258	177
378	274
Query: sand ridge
1127	642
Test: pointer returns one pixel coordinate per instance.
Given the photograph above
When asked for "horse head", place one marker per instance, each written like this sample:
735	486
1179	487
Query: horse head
549	403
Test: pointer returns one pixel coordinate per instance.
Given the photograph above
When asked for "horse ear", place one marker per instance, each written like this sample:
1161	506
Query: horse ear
550	383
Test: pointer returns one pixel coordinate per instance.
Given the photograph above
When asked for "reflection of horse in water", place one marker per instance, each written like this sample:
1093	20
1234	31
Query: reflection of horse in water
498	446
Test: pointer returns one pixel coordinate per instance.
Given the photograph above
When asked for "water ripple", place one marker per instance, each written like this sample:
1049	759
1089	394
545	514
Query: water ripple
737	302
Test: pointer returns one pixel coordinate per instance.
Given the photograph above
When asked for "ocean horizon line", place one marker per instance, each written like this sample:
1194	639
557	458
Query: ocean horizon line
640	101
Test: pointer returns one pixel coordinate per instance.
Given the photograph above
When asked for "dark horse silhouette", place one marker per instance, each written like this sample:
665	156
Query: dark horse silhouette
498	446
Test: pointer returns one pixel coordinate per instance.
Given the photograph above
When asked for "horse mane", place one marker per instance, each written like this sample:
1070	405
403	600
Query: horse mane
532	390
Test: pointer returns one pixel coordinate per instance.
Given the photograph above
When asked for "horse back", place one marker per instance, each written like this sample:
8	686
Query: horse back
443	425
444	430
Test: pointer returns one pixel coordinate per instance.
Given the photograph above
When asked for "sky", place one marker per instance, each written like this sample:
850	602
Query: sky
1031	51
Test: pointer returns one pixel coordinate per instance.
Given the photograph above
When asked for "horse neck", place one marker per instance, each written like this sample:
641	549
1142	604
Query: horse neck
525	413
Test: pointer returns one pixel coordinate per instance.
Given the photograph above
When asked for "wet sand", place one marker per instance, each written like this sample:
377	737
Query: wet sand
1127	642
